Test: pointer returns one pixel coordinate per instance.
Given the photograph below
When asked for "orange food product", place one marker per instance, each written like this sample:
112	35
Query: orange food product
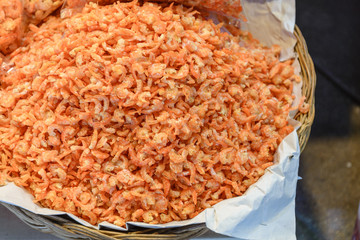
11	26
231	8
82	3
146	113
38	10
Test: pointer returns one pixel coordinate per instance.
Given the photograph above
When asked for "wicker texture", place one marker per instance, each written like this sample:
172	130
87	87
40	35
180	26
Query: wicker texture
67	229
308	90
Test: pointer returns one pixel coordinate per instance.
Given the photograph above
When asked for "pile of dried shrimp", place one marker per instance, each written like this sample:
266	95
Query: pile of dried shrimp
133	112
11	27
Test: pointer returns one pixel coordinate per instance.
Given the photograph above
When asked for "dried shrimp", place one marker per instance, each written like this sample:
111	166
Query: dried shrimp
38	10
11	24
133	112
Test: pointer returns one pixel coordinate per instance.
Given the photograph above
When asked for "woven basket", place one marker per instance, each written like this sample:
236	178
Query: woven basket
308	89
67	229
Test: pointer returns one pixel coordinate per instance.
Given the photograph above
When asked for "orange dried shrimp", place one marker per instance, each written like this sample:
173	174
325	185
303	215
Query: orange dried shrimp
75	6
38	10
231	8
82	3
140	113
10	25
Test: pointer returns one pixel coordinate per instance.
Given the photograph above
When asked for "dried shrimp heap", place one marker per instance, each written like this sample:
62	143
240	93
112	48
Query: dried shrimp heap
145	113
38	10
231	8
11	27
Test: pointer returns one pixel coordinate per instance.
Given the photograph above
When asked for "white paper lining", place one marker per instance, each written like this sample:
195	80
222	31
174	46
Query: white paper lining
267	209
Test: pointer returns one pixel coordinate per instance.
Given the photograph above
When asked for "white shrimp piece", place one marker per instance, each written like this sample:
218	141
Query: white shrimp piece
157	70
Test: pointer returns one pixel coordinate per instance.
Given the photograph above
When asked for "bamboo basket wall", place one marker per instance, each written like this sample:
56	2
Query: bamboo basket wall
67	229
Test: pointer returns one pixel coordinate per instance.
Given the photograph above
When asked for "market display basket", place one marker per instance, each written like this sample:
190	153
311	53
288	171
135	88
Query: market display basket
67	229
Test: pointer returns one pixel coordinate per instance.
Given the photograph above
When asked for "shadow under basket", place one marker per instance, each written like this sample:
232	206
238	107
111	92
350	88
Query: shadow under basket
65	228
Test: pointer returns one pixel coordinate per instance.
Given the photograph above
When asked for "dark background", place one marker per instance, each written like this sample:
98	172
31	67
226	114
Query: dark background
329	194
332	32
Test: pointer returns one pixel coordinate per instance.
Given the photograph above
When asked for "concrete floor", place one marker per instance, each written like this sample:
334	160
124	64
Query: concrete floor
329	193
